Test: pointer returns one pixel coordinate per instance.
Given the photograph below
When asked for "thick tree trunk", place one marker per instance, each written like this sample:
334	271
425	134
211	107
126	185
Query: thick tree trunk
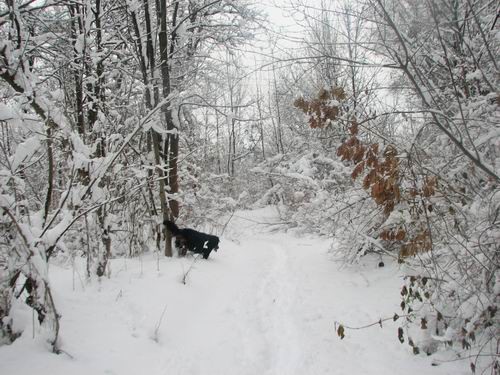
171	155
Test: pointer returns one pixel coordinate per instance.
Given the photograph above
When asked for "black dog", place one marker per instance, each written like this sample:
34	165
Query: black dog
192	240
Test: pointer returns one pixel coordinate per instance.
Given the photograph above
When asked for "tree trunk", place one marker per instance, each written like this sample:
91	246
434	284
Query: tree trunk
173	139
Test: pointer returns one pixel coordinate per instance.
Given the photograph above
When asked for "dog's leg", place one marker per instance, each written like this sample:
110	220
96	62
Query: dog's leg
184	248
180	244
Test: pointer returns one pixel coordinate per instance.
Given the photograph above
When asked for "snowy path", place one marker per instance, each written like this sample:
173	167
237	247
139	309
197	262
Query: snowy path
264	304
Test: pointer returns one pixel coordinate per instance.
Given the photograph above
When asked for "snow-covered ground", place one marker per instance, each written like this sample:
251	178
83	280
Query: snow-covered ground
265	303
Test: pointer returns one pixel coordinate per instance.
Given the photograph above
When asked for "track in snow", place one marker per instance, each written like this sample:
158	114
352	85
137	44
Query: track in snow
265	303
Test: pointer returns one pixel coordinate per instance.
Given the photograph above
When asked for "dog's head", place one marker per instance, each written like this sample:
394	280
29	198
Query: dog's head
180	241
214	242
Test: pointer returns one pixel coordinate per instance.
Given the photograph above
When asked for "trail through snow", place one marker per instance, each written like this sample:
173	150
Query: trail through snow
265	303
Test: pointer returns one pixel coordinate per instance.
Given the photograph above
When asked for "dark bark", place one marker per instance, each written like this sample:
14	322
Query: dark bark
50	177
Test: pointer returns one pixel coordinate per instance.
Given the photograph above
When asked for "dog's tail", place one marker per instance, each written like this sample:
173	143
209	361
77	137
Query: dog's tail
172	227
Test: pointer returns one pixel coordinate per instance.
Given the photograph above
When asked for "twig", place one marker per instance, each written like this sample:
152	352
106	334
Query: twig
339	328
379	322
227	222
263	222
184	278
155	336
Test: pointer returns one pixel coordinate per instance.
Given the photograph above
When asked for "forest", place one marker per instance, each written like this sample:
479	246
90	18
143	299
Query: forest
373	123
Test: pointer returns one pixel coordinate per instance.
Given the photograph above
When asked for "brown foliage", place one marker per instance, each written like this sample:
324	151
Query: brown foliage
380	168
358	170
421	242
382	171
320	110
395	234
429	188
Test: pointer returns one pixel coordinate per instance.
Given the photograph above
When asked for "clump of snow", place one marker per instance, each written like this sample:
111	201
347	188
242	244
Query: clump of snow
25	151
6	112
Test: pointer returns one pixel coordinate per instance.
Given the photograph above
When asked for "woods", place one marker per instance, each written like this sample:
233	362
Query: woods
374	123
